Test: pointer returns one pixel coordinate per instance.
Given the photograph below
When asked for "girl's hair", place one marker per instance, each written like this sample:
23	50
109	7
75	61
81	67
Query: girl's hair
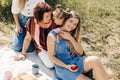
40	9
60	13
21	4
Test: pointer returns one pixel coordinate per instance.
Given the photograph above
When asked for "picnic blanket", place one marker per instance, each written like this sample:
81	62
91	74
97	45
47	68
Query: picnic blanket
7	63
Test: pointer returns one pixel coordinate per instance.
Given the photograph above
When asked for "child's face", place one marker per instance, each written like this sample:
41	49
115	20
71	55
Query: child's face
57	20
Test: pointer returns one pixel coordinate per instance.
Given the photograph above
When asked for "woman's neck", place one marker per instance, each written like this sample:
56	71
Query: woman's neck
62	28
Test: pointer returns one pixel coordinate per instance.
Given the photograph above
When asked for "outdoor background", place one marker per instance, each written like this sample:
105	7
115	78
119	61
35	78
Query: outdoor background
100	31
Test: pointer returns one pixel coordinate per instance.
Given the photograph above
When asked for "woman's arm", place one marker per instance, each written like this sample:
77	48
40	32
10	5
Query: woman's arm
76	45
26	44
15	11
15	16
18	29
51	52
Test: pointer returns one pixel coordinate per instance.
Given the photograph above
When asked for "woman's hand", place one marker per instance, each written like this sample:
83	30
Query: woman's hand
18	30
65	35
69	67
19	57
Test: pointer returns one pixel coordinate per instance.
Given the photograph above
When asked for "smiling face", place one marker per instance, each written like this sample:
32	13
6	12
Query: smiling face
58	16
46	22
47	17
58	21
71	24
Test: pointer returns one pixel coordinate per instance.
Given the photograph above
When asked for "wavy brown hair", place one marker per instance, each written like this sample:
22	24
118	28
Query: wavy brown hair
76	32
40	9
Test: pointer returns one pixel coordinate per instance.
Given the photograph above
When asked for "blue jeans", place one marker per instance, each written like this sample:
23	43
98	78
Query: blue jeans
18	39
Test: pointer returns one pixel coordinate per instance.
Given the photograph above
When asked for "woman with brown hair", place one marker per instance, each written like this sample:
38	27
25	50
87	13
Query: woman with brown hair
67	54
38	28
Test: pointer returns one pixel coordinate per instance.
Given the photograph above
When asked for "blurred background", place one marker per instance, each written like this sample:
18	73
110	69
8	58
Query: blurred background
100	31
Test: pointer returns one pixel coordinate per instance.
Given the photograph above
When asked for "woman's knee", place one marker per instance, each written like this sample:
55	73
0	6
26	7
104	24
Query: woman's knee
92	60
18	49
95	60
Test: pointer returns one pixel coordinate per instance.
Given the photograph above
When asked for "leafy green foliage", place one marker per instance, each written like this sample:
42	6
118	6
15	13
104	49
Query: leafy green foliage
5	10
86	8
90	8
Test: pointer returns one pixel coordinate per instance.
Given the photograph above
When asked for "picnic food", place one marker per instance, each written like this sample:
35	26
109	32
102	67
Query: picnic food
25	76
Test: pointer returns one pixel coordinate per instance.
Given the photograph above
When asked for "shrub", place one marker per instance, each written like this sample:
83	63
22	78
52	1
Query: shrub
5	10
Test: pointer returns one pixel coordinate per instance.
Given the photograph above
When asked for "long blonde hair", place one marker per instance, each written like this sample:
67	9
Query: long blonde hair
21	4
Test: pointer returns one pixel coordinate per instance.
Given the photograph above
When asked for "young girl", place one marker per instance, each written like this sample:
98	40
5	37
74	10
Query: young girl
66	53
22	10
58	14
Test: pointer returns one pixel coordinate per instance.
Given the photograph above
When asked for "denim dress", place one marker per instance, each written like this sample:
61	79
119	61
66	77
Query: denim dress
63	53
18	39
